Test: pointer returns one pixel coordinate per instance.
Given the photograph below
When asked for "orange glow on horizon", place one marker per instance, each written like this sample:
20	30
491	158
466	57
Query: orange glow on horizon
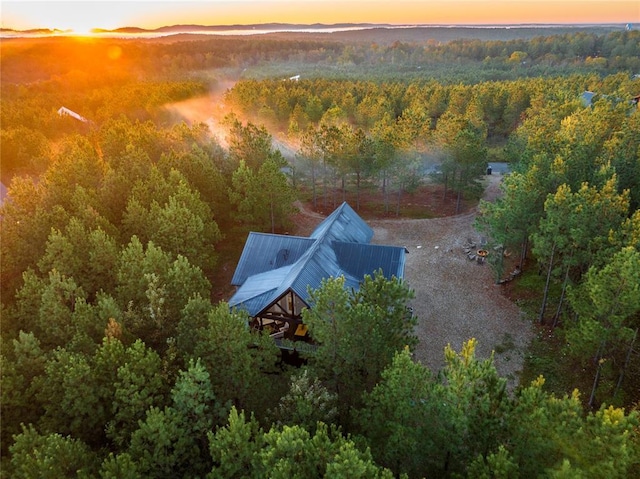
82	17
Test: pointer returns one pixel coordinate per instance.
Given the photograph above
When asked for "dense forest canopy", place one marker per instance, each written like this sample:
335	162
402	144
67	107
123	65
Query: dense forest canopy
120	357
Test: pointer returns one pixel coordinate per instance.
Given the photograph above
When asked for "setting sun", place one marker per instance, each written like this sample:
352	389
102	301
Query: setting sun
82	30
79	17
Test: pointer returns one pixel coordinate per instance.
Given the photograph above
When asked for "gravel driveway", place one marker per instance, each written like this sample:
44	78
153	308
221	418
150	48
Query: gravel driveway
455	298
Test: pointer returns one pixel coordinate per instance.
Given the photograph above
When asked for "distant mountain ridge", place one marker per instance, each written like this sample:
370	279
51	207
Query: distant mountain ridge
270	26
344	32
182	28
193	28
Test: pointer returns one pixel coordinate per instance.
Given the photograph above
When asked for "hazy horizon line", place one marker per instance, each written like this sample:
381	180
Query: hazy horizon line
326	26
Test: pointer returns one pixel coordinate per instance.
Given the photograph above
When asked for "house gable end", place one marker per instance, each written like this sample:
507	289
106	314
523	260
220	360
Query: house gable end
287	307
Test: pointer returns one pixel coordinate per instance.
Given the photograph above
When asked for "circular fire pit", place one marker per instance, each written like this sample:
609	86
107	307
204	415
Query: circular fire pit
482	253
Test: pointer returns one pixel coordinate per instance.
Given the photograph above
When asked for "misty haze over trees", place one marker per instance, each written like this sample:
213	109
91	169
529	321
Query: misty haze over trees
120	357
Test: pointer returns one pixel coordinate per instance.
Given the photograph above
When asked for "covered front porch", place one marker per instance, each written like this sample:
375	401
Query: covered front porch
282	320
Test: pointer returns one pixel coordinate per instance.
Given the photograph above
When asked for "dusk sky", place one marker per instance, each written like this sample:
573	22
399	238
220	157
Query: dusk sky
82	16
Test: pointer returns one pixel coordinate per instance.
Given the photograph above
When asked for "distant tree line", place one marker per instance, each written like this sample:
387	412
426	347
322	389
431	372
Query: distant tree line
29	60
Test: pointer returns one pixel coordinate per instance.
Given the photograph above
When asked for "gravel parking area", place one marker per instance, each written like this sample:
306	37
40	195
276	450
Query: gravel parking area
456	298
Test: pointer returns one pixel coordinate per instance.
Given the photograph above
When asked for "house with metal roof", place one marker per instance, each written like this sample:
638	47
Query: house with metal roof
276	272
64	111
587	98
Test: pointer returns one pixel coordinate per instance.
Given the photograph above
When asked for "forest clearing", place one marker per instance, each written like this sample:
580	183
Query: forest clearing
455	298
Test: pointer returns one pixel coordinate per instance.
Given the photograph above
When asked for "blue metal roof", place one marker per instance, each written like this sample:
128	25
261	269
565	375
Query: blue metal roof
359	260
339	246
266	252
258	290
586	98
343	224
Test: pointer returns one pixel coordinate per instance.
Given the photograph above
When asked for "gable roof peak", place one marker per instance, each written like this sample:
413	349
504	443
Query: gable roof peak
343	224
